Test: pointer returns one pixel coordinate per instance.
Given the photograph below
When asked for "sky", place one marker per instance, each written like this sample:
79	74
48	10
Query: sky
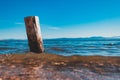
61	18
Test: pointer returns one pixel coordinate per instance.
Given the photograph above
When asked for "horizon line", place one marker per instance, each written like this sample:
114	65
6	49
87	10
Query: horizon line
64	37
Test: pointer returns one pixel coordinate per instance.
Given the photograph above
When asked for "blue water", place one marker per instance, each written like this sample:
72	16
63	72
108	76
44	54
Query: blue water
66	47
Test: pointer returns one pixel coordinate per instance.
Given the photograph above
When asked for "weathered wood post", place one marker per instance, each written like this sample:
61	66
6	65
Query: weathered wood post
34	34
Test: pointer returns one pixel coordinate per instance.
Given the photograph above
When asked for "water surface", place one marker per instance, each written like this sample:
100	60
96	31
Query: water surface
67	47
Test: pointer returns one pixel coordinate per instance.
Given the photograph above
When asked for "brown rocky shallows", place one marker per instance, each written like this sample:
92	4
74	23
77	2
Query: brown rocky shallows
31	66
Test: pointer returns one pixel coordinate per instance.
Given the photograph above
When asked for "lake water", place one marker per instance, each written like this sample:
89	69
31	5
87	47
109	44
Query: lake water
66	47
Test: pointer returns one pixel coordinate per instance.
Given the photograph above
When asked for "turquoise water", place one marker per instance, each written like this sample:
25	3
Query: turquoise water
66	47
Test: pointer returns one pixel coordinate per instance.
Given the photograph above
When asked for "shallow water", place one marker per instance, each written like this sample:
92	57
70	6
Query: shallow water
67	47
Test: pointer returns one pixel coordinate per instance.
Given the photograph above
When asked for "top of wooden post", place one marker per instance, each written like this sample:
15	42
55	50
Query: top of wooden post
31	16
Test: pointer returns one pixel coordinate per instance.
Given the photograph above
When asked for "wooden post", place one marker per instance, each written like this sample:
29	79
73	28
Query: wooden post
34	34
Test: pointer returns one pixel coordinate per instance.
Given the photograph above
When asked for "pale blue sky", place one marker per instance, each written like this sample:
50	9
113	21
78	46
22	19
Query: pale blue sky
63	18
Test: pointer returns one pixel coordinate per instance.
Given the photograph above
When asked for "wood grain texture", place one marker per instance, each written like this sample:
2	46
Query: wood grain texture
34	34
